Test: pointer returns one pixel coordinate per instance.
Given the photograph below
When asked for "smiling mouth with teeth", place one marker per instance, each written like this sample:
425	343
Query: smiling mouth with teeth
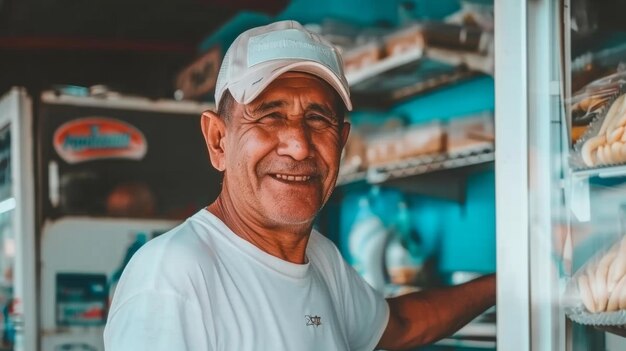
292	178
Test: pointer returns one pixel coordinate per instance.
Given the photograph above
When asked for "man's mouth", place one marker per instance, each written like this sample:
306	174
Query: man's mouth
292	178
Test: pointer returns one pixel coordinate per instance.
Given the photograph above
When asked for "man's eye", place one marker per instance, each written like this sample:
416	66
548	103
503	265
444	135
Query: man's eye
319	121
271	117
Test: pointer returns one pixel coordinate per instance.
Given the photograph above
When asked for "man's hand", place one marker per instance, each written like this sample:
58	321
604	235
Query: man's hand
424	317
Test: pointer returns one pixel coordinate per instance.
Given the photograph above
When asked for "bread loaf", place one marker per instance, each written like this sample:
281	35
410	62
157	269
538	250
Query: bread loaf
600	288
614	298
602	285
585	293
618	266
606	147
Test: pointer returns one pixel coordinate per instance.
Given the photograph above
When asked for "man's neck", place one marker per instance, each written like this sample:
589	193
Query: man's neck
286	243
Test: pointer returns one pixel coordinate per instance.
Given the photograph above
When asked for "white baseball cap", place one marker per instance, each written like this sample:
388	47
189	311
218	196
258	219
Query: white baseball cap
259	55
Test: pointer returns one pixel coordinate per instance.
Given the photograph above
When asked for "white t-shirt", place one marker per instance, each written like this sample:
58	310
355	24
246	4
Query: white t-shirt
201	287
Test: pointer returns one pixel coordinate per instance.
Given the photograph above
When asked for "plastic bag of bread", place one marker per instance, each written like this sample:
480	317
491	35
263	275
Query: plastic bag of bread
608	145
598	112
353	155
395	145
588	102
597	292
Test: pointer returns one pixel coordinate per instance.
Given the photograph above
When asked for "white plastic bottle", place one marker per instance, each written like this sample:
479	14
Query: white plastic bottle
403	255
366	243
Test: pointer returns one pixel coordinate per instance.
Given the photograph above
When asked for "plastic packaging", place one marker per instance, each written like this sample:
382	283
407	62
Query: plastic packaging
598	123
403	255
470	134
366	245
390	146
596	294
353	156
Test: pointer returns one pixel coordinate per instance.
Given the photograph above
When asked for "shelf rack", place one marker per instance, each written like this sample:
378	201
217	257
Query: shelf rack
579	187
442	175
601	172
383	65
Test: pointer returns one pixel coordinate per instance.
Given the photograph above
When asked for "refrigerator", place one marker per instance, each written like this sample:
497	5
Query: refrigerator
560	203
86	178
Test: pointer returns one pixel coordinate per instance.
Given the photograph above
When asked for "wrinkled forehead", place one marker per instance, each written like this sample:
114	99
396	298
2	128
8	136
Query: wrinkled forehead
289	83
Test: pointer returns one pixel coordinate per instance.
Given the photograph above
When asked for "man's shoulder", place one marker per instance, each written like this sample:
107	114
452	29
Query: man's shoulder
318	241
322	249
183	248
171	262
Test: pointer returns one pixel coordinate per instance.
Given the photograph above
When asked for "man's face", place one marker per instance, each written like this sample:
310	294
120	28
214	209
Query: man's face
282	151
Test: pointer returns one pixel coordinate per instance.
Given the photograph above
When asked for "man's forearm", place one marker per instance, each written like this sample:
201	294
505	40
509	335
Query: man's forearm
427	316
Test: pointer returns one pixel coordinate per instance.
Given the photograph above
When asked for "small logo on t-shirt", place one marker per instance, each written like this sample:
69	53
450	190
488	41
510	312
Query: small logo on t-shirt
313	320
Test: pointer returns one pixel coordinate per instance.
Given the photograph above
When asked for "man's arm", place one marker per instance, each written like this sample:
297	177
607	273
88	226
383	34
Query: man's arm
424	317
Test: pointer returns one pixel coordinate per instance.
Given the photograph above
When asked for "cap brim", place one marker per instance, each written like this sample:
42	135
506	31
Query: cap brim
245	91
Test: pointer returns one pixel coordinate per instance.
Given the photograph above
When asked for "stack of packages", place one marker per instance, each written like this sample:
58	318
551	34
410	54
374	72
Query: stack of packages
597	292
395	142
598	123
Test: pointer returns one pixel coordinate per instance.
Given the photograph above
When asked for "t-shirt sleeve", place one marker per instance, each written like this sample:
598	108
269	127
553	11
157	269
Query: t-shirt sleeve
366	311
154	321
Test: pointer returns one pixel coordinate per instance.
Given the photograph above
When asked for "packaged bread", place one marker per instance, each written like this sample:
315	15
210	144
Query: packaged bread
353	155
422	139
602	282
398	144
590	109
403	40
608	146
360	57
472	133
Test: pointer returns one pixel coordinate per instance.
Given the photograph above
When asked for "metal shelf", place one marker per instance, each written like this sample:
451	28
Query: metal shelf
477	62
579	188
602	172
429	163
439	175
420	165
383	65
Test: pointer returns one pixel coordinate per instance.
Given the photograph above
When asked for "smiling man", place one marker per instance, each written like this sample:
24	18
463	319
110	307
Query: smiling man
249	272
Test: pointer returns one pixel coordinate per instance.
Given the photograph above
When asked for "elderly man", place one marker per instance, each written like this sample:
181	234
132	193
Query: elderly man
249	272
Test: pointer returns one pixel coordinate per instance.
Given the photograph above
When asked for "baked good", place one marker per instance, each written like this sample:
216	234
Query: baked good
609	145
602	285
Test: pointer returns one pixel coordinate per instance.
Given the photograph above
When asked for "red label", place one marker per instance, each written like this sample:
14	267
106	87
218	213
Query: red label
92	138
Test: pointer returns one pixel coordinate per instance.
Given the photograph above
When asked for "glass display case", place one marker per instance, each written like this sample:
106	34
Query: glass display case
17	247
85	181
560	175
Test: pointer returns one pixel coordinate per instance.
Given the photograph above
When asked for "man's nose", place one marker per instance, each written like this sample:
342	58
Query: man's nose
295	141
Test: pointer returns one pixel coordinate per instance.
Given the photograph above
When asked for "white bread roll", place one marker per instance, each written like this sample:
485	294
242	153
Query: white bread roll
600	155
615	295
588	151
618	268
620	116
595	286
622	299
600	275
616	152
585	293
608	156
616	135
617	109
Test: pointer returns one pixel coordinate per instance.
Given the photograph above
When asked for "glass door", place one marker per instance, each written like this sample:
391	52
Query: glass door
594	87
560	175
17	249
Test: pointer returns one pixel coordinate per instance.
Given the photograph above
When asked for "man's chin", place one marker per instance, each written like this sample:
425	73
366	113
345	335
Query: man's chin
292	218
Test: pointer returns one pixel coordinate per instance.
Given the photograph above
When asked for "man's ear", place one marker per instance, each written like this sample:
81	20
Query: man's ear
214	130
345	131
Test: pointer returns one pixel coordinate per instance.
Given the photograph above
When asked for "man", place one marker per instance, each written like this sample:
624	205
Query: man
248	272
